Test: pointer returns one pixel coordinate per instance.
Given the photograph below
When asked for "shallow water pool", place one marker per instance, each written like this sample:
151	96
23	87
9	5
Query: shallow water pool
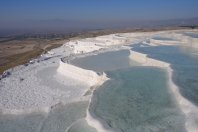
104	61
58	120
137	100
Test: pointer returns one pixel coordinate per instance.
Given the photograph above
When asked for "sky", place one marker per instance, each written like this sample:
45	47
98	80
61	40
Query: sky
19	14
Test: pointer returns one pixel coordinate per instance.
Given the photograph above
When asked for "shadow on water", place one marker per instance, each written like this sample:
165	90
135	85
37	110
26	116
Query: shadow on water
184	64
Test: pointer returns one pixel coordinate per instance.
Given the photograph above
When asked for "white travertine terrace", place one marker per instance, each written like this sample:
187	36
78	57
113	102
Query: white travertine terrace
26	91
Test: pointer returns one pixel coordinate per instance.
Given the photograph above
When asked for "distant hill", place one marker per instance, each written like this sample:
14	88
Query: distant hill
68	26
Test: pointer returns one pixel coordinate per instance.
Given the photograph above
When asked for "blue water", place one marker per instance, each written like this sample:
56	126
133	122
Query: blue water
184	64
137	100
162	38
193	35
104	61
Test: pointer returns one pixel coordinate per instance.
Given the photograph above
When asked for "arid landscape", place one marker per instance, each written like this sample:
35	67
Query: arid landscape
14	52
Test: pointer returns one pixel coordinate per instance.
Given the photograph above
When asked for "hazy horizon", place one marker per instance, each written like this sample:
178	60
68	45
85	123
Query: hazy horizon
73	15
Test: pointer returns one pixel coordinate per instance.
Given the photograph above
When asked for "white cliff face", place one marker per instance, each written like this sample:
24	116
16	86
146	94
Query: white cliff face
87	77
